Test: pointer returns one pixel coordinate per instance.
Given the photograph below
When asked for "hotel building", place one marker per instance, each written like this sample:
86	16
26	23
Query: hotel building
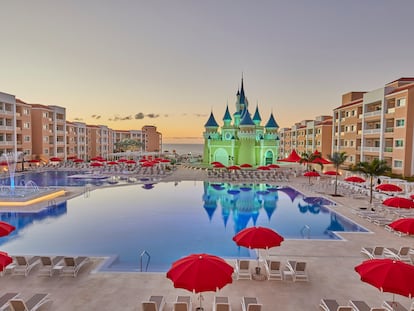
307	136
41	132
377	124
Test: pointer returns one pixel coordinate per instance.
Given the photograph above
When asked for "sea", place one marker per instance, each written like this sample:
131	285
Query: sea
194	149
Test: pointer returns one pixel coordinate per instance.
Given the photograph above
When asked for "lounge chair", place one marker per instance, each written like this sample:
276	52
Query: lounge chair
72	265
154	303
360	305
23	265
183	303
4	300
250	304
221	304
32	304
373	252
273	270
296	270
402	254
333	305
243	269
394	306
49	265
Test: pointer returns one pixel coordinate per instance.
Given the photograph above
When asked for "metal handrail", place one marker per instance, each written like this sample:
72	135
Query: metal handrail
306	228
149	258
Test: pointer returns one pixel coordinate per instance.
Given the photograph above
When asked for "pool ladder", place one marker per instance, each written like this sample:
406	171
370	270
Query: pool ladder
141	257
305	231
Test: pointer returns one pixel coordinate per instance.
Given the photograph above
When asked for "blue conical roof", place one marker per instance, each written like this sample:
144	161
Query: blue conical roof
247	120
242	96
227	116
256	116
211	122
272	122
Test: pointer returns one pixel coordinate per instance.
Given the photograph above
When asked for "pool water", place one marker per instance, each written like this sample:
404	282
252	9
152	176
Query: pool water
169	221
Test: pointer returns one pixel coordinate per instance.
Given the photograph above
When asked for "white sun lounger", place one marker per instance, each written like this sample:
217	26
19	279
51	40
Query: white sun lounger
360	305
373	252
250	304
4	300
221	304
183	303
49	265
154	303
72	265
333	305
32	304
23	264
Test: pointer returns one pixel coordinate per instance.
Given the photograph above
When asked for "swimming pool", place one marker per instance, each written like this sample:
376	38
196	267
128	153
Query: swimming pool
169	221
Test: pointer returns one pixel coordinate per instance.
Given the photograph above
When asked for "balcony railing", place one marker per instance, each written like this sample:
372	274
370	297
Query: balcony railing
388	149
373	113
389	130
391	110
370	149
372	131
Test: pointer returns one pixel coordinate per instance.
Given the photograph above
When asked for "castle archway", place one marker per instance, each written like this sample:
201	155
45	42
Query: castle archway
268	157
222	156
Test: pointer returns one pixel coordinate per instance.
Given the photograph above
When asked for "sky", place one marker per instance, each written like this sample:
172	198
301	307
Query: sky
130	63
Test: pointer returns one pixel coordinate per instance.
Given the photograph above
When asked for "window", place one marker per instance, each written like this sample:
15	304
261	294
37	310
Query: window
46	139
400	102
353	113
399	143
26	125
400	123
46	151
26	111
351	143
398	163
26	138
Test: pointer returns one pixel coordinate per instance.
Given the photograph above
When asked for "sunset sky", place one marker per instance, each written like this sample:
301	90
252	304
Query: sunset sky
129	63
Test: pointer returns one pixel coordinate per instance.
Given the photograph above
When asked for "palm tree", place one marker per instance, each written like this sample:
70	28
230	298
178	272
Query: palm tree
337	159
371	169
308	158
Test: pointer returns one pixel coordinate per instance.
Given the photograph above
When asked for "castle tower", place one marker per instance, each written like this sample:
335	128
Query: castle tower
211	132
247	137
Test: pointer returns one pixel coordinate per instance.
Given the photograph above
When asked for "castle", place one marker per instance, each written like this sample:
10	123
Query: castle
241	139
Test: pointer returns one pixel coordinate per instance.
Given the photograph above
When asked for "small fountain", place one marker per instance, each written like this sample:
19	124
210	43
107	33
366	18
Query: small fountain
25	193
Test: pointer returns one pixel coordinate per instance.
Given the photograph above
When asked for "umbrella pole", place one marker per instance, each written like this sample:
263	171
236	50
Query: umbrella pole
200	297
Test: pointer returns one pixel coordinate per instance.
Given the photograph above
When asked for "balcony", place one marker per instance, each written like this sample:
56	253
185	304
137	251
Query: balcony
388	149
371	149
391	110
6	128
6	143
372	113
389	130
372	131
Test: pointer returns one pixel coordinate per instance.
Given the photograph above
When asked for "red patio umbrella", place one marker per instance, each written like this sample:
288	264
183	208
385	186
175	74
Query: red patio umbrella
321	161
218	165
165	161
293	157
4	163
96	164
258	237
33	161
147	164
331	173
404	225
5	260
388	275
112	163
124	160
131	162
356	179
233	167
263	168
216	162
55	159
388	188
6	228
200	273
273	166
399	202
246	165
311	174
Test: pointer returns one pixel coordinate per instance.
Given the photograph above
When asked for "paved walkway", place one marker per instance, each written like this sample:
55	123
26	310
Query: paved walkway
330	267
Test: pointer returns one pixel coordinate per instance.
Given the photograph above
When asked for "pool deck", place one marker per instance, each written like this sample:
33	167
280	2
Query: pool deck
330	269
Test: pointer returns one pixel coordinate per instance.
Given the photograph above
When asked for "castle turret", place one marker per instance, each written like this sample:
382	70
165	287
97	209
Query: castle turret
227	117
247	137
256	118
211	132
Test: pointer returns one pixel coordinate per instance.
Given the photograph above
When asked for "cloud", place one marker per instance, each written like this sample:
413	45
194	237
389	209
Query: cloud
78	119
95	116
152	115
200	115
139	116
